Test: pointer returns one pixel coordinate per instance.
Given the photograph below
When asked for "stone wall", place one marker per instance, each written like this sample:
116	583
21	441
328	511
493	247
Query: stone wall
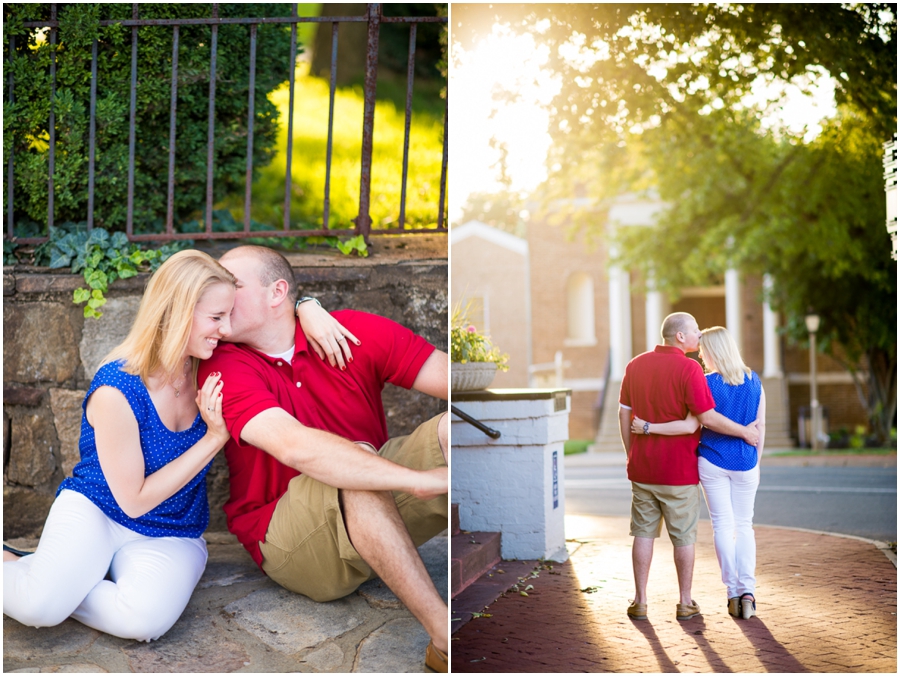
50	353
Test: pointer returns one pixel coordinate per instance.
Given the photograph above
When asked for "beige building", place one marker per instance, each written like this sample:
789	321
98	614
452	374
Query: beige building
489	280
569	319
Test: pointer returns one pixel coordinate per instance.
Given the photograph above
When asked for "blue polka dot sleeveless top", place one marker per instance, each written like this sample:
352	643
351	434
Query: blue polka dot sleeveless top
739	403
185	514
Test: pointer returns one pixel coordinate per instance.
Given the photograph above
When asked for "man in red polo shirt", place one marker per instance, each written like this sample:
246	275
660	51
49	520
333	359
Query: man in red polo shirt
665	384
314	509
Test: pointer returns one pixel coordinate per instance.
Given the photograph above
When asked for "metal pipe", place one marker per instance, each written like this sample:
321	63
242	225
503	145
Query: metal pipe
363	220
173	103
815	415
492	433
131	23
129	226
211	135
410	73
10	226
326	211
52	123
290	129
92	140
443	197
251	121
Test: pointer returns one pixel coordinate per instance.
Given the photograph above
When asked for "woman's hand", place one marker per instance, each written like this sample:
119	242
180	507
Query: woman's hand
326	335
637	425
209	401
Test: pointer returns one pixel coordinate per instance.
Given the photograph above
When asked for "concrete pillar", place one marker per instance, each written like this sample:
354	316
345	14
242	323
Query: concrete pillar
771	346
513	485
733	306
619	321
653	316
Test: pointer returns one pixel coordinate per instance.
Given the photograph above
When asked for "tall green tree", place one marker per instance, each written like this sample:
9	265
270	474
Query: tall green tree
656	96
26	118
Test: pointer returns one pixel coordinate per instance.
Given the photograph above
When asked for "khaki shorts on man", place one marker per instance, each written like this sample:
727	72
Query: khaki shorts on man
678	505
307	548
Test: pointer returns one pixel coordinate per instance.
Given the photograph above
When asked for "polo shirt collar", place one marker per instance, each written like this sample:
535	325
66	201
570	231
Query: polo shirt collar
669	349
300	344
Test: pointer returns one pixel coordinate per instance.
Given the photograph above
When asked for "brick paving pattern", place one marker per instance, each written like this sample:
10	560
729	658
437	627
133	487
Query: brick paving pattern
825	604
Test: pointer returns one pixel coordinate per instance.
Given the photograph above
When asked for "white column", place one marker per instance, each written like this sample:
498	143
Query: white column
619	321
771	347
653	316
733	305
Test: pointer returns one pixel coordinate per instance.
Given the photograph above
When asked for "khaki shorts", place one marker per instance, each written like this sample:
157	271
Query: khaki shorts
679	505
307	549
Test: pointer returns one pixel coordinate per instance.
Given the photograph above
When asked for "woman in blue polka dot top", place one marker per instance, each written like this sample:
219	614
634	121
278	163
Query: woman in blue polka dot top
729	467
135	508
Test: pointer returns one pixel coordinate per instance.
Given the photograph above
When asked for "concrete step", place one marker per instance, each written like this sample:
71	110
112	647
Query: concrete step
454	519
472	554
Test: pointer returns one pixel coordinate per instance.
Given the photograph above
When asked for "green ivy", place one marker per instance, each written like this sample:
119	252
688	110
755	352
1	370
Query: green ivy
357	244
101	257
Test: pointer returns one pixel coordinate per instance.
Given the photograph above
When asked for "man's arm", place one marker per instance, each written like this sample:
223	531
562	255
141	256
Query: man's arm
432	377
719	423
625	429
336	461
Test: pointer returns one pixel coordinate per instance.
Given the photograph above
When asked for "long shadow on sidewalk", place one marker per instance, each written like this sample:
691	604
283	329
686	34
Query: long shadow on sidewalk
773	655
666	665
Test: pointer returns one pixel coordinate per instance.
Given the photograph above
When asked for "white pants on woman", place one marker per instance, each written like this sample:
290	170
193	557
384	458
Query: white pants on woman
730	496
152	578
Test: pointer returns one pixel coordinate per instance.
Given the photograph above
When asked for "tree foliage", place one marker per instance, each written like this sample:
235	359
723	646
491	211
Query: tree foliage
656	96
26	118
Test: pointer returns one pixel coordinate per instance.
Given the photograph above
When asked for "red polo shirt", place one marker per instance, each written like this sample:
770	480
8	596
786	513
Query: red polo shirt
346	403
662	386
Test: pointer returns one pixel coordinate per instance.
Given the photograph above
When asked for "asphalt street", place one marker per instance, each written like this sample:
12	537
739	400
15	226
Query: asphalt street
858	501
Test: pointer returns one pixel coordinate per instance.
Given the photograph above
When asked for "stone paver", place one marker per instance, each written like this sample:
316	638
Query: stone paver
240	621
825	603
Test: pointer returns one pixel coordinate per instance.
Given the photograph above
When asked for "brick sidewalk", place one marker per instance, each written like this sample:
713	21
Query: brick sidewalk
825	603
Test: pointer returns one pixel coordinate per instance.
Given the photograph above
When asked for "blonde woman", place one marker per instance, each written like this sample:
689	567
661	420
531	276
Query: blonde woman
729	467
121	550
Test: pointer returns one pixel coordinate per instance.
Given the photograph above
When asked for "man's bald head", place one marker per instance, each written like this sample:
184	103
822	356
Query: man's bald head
271	266
677	322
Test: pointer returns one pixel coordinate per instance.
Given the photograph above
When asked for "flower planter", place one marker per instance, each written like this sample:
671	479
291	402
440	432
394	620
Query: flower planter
471	376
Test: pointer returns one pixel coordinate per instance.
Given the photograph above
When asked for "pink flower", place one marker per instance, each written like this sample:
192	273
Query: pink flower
470	328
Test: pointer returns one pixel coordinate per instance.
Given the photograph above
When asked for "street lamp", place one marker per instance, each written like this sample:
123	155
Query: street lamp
812	325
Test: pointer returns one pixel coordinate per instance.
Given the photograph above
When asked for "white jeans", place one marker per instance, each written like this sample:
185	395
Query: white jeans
730	496
152	578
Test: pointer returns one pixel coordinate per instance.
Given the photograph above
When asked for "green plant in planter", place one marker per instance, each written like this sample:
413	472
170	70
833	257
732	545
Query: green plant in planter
468	345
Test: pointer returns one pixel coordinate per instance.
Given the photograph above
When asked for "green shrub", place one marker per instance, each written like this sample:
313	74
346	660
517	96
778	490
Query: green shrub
26	121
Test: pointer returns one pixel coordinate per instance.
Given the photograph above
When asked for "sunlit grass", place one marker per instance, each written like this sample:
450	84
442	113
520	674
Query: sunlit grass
309	162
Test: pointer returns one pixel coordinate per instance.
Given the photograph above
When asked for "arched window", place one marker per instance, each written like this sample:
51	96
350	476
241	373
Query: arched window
580	309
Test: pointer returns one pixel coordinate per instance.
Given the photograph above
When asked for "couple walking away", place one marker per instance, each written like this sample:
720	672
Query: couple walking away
311	466
664	400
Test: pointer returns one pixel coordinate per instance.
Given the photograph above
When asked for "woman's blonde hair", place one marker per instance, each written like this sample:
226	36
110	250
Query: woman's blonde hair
160	333
718	344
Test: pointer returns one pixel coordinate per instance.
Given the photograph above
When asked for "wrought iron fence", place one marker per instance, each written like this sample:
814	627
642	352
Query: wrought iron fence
363	223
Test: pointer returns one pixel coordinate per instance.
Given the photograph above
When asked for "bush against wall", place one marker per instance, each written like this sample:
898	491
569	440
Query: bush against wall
26	118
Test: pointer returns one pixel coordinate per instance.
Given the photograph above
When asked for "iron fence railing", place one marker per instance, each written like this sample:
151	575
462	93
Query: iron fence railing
363	222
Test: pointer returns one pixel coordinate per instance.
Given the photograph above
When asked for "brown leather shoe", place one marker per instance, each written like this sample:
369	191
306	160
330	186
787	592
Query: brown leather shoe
435	659
685	611
637	611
